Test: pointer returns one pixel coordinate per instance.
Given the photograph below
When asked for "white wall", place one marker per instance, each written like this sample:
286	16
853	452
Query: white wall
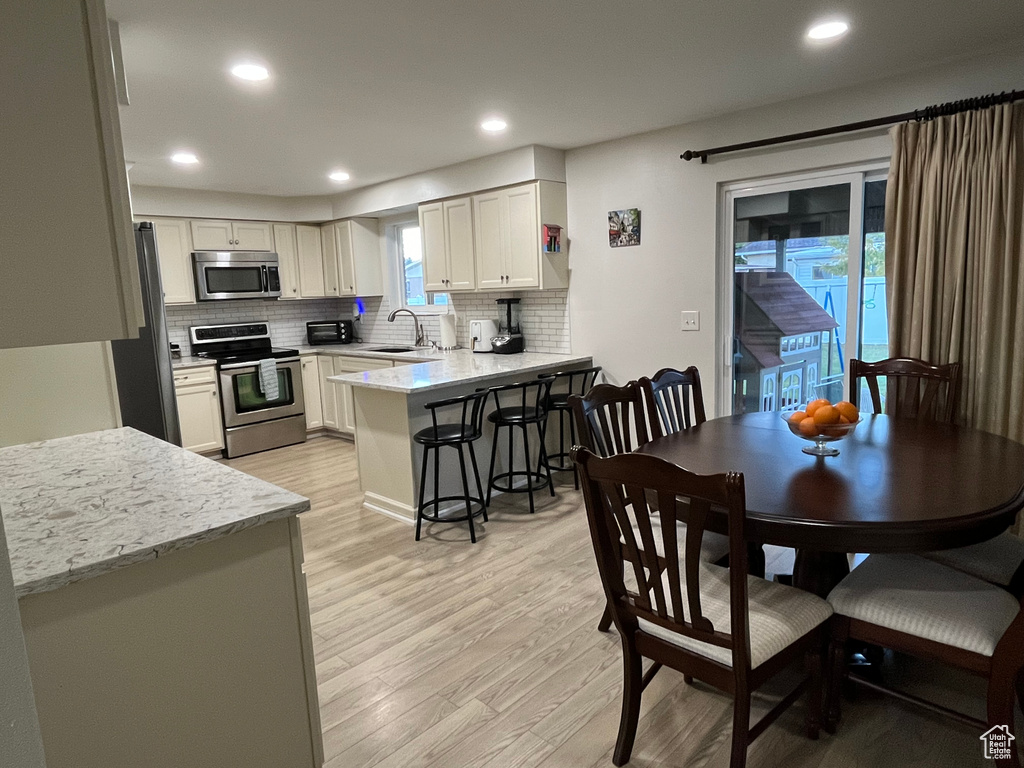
54	391
625	302
504	169
199	203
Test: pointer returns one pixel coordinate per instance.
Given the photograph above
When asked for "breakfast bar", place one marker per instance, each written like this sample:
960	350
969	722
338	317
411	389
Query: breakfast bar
389	407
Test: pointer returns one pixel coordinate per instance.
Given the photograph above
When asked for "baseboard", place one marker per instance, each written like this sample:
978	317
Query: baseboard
389	507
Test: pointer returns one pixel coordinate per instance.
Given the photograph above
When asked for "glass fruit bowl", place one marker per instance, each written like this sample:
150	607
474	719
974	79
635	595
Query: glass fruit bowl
820	436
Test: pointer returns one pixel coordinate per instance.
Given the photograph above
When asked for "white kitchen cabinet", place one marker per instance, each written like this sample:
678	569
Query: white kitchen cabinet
287	260
174	252
328	393
213	235
345	404
310	260
199	416
311	391
489	240
352	258
508	232
446	230
70	270
329	244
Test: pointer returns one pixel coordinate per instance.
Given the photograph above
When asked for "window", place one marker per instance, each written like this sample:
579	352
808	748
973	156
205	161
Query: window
804	259
410	265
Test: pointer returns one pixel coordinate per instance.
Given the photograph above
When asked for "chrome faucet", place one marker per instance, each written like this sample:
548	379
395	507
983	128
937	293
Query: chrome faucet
420	336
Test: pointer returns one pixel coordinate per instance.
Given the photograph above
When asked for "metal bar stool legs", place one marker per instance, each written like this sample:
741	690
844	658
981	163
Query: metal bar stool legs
462	433
466	495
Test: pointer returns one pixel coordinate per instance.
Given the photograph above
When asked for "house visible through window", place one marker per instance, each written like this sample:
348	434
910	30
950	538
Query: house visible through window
410	257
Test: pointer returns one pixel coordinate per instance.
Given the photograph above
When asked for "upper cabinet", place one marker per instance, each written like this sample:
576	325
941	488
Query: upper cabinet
508	237
212	235
352	258
70	270
446	229
174	252
287	260
311	263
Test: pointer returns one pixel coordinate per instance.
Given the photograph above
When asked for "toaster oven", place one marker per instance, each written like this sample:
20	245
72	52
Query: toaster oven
329	332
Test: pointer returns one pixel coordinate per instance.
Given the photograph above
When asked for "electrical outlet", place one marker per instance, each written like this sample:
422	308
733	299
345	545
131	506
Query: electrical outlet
690	320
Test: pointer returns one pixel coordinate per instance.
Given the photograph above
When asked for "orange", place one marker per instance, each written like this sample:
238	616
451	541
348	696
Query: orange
814	405
849	410
808	428
797	417
844	420
826	414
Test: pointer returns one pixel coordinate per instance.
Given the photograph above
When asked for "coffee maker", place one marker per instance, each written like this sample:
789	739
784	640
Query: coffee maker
510	338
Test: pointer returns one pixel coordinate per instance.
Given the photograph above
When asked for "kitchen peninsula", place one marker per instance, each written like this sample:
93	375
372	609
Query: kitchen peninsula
389	411
163	605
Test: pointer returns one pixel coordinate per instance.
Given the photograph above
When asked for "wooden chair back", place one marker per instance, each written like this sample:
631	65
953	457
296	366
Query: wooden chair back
620	493
610	419
915	389
674	400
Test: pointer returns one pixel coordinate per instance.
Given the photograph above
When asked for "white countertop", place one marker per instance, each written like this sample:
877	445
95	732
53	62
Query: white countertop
77	507
457	367
191	362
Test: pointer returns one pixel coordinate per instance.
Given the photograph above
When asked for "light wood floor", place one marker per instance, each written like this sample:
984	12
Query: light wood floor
445	654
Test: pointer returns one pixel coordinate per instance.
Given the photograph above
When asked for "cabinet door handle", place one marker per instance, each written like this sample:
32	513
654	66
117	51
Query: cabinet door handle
214	394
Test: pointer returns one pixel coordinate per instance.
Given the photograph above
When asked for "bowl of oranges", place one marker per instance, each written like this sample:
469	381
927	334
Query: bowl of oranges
823	422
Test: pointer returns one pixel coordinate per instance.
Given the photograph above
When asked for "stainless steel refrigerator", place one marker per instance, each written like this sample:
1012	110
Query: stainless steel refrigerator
145	380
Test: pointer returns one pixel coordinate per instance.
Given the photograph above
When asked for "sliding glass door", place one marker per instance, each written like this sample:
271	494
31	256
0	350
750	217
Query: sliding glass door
804	288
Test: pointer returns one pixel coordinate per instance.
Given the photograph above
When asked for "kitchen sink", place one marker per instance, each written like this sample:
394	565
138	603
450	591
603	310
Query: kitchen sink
392	349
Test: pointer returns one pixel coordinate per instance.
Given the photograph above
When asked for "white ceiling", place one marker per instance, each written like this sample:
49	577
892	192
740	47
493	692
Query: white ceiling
387	88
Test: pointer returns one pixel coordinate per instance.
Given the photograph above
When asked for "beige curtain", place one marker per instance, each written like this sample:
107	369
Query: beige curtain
954	246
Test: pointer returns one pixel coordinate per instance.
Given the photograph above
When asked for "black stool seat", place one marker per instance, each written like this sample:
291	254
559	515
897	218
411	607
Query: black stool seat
461	433
444	434
520	406
517	416
576	382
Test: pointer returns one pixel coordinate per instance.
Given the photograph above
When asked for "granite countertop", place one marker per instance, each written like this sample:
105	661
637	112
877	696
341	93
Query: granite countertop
457	367
192	362
77	507
366	349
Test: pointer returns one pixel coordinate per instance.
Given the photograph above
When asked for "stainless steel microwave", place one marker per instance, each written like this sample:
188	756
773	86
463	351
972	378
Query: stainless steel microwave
236	275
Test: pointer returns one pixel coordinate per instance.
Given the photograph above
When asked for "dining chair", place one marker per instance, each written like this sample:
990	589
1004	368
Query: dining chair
915	389
920	607
731	630
610	420
674	400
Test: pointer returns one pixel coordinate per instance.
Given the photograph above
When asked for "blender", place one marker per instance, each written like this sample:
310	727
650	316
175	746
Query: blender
510	338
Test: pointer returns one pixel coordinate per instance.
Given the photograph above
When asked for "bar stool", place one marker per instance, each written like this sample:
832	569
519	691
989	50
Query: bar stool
463	432
576	383
520	406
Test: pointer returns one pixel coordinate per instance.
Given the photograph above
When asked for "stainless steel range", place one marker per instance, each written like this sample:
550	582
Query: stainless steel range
253	421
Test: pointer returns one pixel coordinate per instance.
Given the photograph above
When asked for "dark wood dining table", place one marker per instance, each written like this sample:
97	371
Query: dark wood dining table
897	485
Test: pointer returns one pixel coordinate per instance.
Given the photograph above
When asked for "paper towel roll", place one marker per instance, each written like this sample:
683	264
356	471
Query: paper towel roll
447	331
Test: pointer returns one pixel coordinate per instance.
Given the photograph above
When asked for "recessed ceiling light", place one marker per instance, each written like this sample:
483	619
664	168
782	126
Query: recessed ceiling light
828	30
184	158
250	72
494	125
338	176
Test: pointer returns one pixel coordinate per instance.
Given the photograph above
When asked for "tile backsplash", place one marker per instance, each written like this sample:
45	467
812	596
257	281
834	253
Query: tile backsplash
544	317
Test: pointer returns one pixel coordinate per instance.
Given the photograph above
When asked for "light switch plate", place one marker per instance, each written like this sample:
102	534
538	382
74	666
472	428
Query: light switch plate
690	320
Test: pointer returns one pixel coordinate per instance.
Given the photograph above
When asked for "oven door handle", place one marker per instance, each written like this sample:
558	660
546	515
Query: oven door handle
236	366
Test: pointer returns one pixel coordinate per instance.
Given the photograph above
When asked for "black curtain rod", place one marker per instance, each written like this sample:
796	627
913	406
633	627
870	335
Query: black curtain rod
928	113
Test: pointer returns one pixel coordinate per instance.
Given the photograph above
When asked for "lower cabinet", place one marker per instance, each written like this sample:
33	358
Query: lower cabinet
311	392
337	405
199	417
